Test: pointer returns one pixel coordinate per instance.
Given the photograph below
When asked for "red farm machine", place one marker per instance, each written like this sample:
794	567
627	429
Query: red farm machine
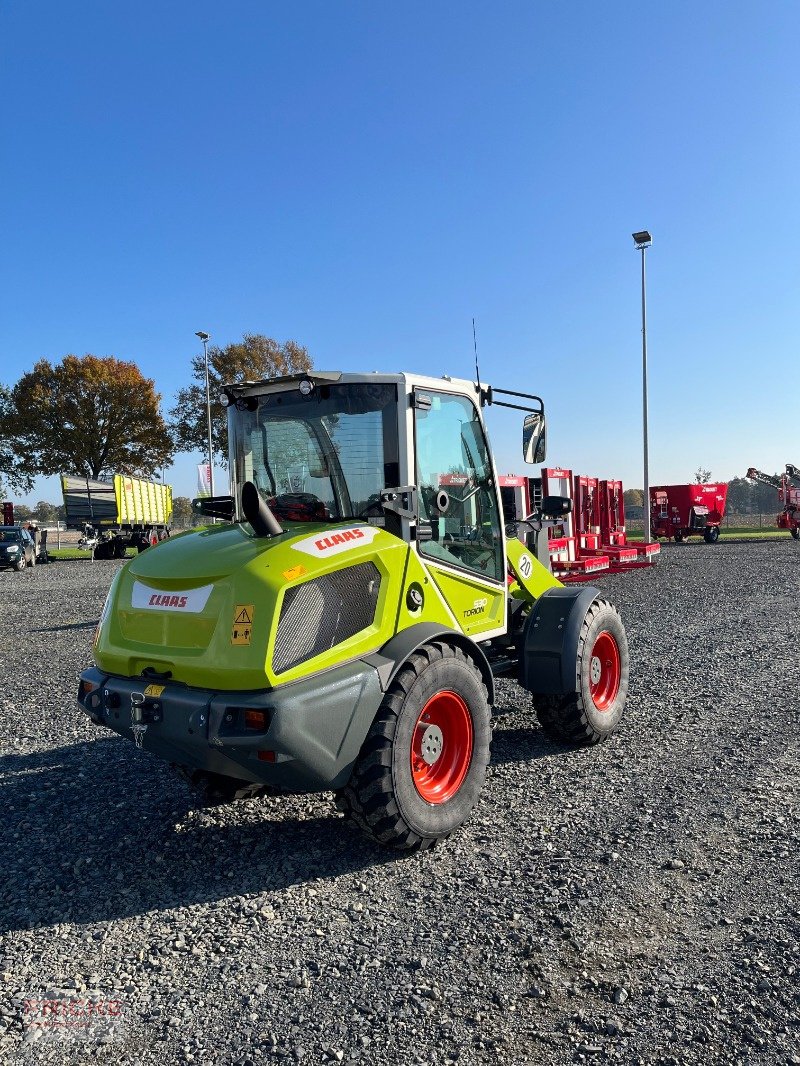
788	486
591	537
681	511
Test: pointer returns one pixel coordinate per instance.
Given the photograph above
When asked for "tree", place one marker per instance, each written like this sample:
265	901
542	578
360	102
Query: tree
701	476
12	476
182	514
765	498
253	358
87	415
740	496
45	512
633	497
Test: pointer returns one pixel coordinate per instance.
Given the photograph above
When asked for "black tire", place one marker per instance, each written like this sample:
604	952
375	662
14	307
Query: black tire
592	713
21	563
678	538
711	534
385	797
795	531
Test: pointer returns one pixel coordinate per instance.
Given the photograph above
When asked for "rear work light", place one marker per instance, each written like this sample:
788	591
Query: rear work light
267	756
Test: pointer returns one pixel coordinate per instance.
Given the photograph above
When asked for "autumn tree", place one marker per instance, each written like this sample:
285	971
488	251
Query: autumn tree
253	358
87	415
12	475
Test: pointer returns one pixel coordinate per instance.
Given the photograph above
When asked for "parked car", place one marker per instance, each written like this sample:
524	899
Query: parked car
17	548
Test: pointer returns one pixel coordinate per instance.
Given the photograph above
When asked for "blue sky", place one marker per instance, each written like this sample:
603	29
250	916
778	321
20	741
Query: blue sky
366	178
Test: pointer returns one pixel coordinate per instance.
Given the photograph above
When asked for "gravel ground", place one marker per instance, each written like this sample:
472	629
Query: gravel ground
633	903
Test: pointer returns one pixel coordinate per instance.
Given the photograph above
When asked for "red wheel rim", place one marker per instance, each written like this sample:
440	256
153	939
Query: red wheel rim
441	747
604	672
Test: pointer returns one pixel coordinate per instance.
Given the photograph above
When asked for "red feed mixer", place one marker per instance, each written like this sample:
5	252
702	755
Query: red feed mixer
788	486
681	511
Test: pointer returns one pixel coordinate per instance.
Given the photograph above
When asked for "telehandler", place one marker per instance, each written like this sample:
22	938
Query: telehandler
343	625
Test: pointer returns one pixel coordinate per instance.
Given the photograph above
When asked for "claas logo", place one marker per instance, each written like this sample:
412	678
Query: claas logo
157	600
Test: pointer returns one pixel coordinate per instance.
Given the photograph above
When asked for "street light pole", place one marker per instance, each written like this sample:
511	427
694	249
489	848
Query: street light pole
643	240
204	337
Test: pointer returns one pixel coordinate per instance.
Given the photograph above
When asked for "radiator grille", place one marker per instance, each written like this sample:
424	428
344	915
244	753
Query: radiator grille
320	614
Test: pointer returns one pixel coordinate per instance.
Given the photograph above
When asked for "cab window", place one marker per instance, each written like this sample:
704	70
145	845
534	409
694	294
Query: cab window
459	521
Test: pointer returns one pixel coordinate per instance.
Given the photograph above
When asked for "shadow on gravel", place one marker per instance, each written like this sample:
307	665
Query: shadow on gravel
64	628
92	832
523	745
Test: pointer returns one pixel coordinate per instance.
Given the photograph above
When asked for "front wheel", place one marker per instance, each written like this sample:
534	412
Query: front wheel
796	532
592	713
678	537
423	763
711	534
21	563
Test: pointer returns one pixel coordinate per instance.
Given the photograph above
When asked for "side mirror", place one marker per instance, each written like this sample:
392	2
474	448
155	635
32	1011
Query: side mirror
215	507
556	506
534	437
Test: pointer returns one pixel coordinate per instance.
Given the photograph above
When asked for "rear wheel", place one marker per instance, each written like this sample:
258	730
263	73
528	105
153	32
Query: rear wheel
796	532
678	537
423	763
711	534
592	713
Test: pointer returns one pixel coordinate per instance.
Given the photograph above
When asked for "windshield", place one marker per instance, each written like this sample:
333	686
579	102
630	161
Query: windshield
319	457
10	536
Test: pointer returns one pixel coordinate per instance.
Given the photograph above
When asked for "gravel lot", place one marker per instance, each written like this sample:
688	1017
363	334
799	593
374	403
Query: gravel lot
633	903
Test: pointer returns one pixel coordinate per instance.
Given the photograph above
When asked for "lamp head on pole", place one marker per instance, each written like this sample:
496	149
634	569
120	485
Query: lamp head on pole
642	239
203	336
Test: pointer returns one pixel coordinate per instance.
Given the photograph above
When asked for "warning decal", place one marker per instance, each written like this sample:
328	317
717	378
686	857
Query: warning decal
242	628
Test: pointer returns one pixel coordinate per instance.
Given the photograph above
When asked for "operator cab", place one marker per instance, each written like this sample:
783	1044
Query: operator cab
403	452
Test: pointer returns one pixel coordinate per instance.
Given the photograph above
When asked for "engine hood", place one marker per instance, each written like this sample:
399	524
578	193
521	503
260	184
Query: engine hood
205	555
204	607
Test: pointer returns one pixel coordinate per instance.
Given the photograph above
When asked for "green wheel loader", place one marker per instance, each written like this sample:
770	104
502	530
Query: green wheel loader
341	624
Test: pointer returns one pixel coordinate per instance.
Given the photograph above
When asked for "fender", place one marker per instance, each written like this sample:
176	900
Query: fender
551	637
388	661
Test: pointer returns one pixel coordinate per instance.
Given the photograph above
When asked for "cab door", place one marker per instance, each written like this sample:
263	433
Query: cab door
459	532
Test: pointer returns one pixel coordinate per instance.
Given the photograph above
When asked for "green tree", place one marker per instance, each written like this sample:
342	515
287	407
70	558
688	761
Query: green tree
253	358
740	496
45	512
765	498
182	514
633	497
87	415
702	476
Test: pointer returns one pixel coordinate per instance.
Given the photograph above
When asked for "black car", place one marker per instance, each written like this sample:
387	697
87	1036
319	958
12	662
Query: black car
17	548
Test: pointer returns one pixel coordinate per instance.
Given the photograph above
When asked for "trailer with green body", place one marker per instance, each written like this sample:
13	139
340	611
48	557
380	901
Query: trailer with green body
342	626
123	512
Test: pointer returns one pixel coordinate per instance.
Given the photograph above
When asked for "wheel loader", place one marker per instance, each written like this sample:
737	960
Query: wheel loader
340	620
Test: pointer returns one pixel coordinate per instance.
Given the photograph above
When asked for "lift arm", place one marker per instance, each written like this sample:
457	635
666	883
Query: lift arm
765	479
